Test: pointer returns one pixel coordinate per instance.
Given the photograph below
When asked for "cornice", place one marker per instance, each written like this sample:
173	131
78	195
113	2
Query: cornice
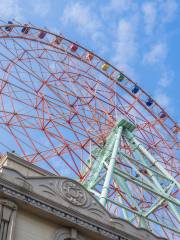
111	228
63	199
43	205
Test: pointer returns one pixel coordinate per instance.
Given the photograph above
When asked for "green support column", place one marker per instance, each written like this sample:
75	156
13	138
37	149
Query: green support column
105	172
130	137
104	154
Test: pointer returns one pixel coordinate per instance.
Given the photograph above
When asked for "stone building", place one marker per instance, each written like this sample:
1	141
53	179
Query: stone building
36	205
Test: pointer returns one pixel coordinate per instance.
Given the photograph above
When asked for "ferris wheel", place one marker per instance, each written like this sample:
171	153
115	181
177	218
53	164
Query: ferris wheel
71	112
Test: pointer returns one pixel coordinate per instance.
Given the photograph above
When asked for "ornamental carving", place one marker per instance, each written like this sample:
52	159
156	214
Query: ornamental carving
73	192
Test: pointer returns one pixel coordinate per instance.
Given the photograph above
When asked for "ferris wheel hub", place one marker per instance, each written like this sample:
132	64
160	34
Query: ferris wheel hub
125	124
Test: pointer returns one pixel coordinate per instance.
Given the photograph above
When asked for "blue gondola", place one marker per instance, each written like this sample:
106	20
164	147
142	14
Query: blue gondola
25	29
9	28
149	102
135	89
162	114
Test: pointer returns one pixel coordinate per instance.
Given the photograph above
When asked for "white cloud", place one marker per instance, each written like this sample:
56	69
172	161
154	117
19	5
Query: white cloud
82	17
169	9
162	98
157	13
11	9
119	5
149	10
160	93
157	54
41	7
125	44
166	79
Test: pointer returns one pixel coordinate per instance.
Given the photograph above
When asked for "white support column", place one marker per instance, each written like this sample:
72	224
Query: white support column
110	169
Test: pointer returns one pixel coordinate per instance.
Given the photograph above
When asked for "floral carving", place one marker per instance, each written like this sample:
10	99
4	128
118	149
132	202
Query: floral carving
73	193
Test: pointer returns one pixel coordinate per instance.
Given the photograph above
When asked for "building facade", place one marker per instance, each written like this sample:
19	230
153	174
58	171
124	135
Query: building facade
36	205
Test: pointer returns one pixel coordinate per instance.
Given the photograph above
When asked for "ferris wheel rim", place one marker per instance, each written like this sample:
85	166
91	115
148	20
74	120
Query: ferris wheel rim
149	110
23	36
168	130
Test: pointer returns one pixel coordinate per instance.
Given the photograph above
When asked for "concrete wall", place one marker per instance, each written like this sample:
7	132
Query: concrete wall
25	168
29	226
32	227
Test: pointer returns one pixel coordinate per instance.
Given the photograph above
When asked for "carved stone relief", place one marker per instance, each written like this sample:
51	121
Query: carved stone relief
68	190
7	219
74	193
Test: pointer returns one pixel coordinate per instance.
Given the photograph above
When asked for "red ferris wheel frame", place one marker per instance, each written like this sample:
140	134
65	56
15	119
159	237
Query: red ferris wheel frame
65	94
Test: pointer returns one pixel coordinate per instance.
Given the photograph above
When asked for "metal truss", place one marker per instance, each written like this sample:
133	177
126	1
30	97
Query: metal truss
148	177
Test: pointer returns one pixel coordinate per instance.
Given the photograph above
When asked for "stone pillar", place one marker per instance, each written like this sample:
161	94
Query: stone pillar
8	211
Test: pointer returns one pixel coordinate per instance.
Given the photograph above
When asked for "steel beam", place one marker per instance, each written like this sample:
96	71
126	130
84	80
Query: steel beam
146	186
159	202
139	214
145	152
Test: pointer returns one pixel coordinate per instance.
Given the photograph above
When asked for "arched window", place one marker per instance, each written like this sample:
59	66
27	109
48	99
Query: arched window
66	234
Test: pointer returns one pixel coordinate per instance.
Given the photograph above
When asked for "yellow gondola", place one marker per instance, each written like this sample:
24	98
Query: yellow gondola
105	67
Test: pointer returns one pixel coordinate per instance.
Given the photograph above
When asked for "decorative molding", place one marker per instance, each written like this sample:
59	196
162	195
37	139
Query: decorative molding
7	219
65	191
16	177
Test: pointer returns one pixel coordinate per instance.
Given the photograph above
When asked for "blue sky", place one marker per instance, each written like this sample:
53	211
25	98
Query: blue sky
141	37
